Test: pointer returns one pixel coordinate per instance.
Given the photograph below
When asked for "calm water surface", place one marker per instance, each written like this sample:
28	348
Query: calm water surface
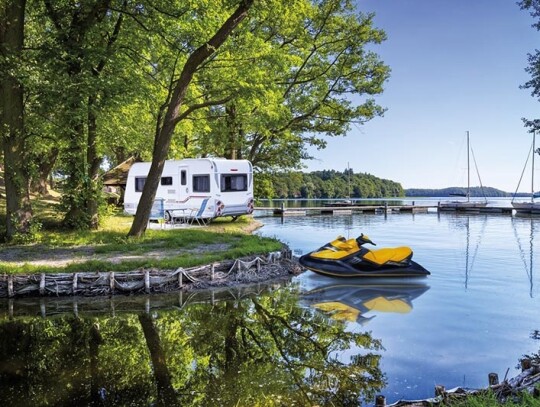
479	311
310	341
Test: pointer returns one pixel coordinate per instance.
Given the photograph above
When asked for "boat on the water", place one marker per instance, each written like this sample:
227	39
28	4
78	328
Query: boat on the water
466	205
532	206
349	258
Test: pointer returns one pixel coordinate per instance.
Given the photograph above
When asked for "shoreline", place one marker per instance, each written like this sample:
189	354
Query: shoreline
244	270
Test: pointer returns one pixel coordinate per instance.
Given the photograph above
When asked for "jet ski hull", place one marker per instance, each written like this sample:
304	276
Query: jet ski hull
338	268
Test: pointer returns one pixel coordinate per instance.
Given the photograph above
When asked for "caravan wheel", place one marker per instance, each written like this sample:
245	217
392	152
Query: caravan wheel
167	216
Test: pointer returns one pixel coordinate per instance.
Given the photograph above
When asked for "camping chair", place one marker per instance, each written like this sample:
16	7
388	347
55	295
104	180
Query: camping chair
157	212
197	214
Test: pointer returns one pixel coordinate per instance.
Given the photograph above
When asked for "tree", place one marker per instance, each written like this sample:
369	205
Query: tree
12	129
308	70
534	60
173	113
79	47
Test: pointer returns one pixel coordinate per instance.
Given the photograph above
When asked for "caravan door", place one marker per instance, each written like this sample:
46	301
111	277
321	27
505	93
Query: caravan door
184	183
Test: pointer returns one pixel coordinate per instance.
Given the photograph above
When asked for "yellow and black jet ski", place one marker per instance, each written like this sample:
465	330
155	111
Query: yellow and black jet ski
349	258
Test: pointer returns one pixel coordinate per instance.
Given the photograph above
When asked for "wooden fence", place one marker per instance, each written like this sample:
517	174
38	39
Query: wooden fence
245	270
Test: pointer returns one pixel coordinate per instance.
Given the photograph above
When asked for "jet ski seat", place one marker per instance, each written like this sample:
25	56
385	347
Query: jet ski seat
389	255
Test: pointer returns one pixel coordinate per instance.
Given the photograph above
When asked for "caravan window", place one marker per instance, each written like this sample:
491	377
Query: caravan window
201	183
139	183
233	182
166	180
183	177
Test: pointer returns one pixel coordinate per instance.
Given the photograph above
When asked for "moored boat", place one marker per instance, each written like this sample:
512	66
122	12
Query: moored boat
532	206
467	205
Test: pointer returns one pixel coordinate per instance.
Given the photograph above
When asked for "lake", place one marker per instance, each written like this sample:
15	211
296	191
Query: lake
312	340
479	310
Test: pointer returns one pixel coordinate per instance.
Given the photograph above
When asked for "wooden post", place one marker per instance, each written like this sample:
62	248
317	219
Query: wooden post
147	305
42	284
10	286
75	309
440	390
525	364
111	281
212	268
380	401
180	276
147	281
75	278
493	379
42	308
258	265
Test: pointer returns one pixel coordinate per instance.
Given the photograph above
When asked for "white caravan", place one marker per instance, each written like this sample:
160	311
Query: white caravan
207	187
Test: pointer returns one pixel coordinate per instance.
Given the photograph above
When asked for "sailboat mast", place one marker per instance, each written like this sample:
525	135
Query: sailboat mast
532	178
468	169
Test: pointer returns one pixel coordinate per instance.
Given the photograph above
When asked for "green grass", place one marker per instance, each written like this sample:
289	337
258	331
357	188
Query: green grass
489	400
183	247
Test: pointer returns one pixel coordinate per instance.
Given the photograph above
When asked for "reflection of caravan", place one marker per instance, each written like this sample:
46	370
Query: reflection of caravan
215	186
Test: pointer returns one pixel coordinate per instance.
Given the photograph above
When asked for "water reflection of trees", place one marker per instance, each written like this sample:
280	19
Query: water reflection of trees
257	351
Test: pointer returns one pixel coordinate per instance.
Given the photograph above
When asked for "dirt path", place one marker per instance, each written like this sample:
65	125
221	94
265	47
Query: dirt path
39	255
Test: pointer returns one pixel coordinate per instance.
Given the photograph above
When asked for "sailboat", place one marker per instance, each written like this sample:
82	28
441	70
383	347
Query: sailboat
468	204
531	206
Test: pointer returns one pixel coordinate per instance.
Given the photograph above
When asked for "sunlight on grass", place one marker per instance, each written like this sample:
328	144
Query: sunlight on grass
221	240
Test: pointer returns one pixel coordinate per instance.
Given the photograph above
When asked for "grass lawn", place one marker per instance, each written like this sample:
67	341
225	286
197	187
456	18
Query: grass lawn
109	248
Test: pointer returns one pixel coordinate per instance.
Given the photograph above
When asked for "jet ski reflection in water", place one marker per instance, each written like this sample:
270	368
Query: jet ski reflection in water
350	301
348	258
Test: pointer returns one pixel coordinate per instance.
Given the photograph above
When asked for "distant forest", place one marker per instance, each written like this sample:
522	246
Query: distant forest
487	192
327	184
331	184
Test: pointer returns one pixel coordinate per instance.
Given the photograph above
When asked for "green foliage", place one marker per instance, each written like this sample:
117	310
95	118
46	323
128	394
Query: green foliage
32	235
301	73
239	352
327	184
489	399
475	192
97	75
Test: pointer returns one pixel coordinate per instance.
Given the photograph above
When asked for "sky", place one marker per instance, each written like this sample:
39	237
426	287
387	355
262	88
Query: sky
457	66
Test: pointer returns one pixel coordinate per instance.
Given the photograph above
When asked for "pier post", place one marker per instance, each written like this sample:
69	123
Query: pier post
493	379
525	364
380	401
440	390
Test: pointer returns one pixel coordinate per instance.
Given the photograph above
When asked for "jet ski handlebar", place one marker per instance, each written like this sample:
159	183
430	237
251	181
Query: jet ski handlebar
363	239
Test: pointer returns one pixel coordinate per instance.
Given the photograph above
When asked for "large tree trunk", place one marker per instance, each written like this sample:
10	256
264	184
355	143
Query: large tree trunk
173	116
93	161
18	208
45	164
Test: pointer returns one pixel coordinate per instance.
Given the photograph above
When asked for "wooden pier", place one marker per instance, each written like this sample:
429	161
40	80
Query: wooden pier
379	209
346	210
